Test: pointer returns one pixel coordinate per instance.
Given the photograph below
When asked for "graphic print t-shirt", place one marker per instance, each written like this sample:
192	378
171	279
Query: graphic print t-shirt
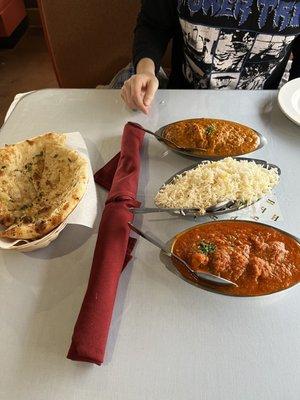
223	44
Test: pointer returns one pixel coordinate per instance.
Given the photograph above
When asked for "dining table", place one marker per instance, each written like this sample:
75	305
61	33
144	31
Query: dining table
168	339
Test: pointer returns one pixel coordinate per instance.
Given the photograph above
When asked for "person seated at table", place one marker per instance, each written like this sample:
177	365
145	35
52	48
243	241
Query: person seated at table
217	44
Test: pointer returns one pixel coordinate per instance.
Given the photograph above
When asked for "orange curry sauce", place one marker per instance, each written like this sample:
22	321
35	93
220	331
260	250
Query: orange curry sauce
258	258
215	136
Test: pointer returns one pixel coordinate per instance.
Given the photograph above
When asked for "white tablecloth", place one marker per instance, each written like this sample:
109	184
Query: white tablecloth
168	339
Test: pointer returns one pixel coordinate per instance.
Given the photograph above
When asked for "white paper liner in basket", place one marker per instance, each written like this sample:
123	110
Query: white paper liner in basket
84	213
36	244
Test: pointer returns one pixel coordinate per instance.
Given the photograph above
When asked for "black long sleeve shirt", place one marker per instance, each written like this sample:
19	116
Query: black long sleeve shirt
221	44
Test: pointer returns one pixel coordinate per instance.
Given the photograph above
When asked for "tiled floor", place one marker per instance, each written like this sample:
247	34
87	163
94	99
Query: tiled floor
24	68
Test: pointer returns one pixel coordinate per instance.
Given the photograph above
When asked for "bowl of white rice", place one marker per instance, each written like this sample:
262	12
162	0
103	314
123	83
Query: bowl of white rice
242	181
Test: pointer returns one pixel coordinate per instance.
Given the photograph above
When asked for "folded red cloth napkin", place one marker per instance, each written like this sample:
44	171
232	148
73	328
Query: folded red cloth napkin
112	252
104	177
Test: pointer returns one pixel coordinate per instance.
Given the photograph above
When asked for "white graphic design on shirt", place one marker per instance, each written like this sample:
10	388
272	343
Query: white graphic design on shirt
224	80
229	59
194	74
269	47
255	75
231	50
202	39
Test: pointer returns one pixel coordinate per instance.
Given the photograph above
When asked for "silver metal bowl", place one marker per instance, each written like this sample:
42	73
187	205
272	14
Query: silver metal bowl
218	289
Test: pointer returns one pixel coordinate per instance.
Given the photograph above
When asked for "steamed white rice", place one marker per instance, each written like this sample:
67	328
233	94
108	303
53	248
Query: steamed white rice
210	183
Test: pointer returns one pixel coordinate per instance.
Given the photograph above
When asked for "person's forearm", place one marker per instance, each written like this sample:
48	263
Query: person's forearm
145	66
155	27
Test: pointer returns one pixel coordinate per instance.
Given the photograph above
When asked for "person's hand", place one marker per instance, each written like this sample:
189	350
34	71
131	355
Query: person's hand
139	91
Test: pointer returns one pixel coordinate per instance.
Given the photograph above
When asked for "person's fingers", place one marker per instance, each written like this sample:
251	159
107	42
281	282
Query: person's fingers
123	95
137	94
151	89
126	91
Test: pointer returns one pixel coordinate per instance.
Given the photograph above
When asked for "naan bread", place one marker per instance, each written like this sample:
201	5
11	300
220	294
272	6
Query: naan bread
41	182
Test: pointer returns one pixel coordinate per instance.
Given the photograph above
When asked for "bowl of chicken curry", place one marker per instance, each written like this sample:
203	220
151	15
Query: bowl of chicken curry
212	138
259	258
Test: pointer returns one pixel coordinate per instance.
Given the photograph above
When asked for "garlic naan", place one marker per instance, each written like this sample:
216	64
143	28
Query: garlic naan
41	182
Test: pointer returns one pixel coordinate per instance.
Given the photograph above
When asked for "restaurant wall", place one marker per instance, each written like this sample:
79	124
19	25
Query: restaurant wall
30	3
33	13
